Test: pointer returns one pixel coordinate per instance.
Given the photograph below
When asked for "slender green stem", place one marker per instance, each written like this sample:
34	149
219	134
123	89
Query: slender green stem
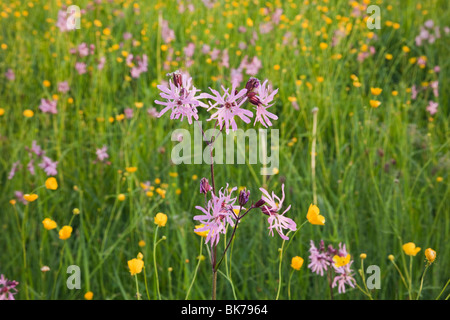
196	269
154	262
279	269
445	287
146	286
289	284
421	281
410	277
138	295
400	273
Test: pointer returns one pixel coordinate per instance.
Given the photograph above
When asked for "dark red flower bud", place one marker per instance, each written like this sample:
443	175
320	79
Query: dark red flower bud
178	79
253	99
204	186
252	83
259	203
244	195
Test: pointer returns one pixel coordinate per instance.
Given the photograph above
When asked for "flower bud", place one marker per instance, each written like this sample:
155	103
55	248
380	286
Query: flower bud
253	99
204	186
177	79
252	83
391	257
363	256
244	195
430	254
259	203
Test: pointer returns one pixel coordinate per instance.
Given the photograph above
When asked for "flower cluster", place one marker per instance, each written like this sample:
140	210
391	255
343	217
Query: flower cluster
35	153
182	100
332	260
222	210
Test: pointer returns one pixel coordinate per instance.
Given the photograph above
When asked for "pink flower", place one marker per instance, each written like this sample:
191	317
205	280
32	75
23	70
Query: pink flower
435	86
189	50
344	277
319	259
228	106
127	36
36	149
83	50
167	34
49	166
7	288
128	113
48	106
272	207
102	153
181	98
9	74
141	66
262	115
236	77
15	167
432	107
214	219
63	86
101	63
81	67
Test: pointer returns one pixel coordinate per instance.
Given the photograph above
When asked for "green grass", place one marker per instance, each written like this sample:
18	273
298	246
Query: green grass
372	203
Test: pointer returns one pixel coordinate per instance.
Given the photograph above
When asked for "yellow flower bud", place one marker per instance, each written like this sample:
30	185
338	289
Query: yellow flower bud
430	254
297	262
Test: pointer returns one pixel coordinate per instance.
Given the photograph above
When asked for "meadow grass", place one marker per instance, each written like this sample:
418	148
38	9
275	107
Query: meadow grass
377	169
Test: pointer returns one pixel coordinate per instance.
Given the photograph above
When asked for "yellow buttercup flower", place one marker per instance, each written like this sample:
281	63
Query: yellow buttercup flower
28	113
160	219
297	262
376	91
49	224
341	261
374	103
46	83
2	111
203	234
131	169
141	243
51	183
30	197
410	249
323	45
65	232
121	197
430	254
140	256
89	295
313	215
135	266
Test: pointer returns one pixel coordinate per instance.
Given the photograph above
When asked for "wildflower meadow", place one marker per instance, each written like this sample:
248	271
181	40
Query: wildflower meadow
224	150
